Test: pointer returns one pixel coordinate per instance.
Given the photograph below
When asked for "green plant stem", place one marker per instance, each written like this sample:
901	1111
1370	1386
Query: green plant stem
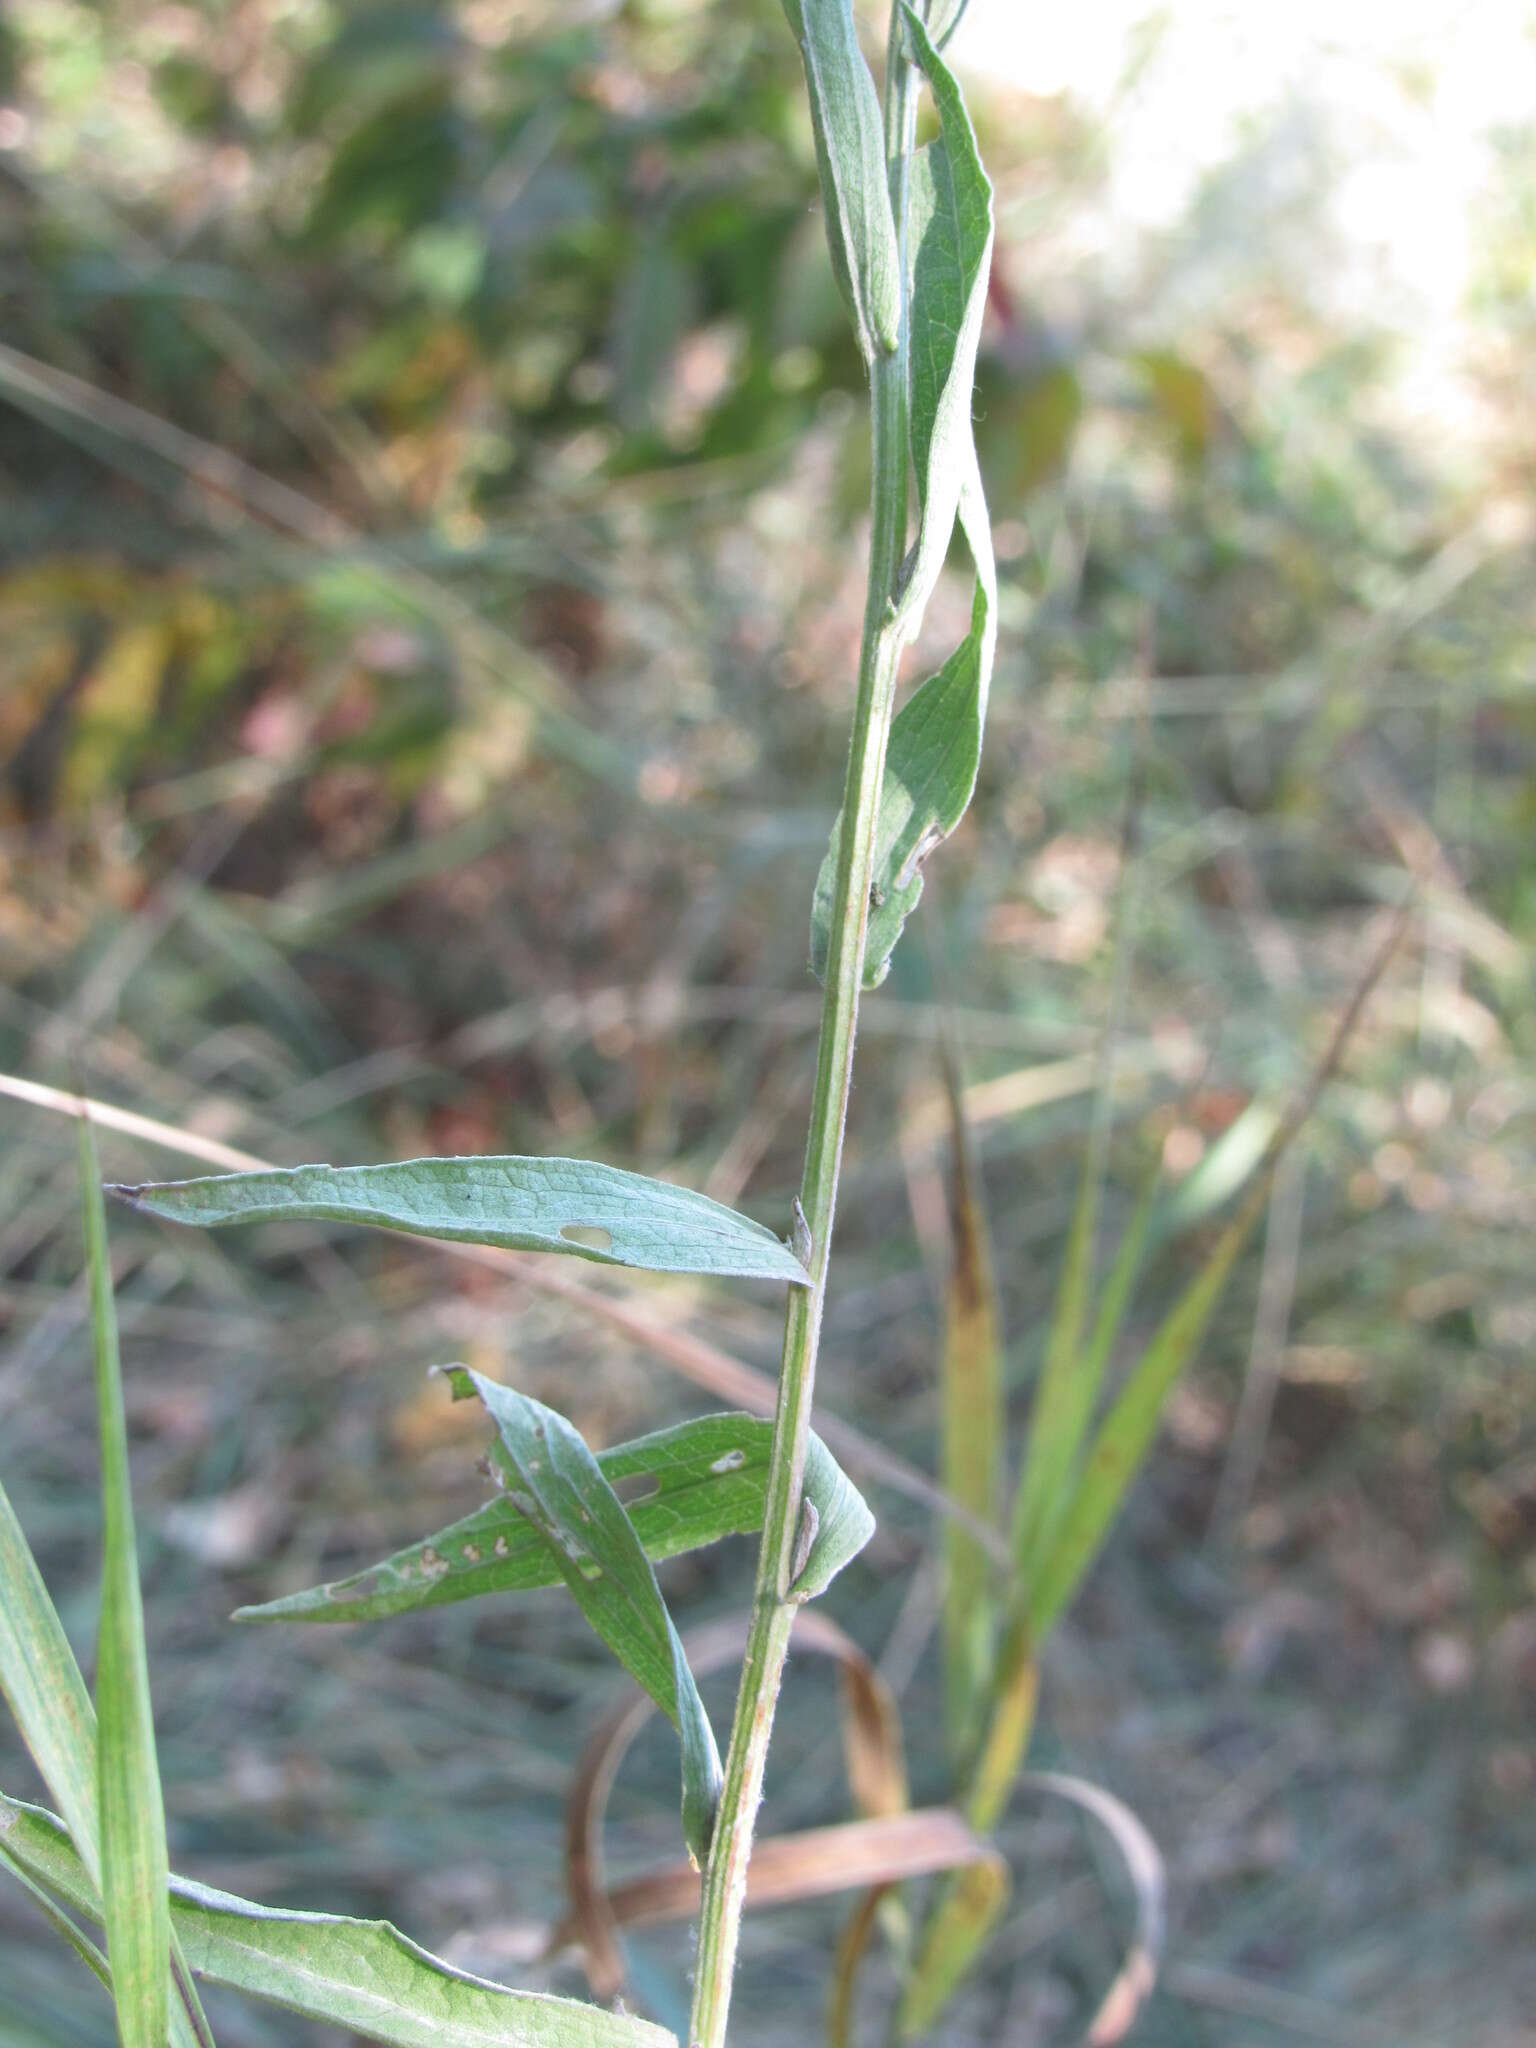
773	1608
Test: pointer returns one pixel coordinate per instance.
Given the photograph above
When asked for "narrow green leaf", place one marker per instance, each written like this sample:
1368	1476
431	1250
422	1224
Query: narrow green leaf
554	1480
850	159
361	1975
935	743
710	1477
951	256
134	1865
41	1684
1082	1393
1125	1436
58	1919
551	1205
1050	1458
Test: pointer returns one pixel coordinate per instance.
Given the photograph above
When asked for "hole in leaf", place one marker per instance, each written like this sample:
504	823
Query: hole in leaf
635	1487
729	1461
591	1235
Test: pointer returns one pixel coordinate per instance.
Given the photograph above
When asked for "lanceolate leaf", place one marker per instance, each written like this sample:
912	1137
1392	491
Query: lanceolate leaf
935	743
359	1975
951	245
850	157
554	1480
553	1205
134	1866
709	1477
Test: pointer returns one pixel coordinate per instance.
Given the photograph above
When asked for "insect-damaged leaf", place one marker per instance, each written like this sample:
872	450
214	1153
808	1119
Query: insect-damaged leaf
555	1482
850	158
709	1479
935	744
134	1866
360	1975
553	1205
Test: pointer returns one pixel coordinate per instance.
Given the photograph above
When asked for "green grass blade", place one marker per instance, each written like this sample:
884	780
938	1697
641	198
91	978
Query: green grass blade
1049	1456
1125	1436
360	1975
1078	1396
134	1864
41	1683
709	1478
973	1423
576	1206
555	1481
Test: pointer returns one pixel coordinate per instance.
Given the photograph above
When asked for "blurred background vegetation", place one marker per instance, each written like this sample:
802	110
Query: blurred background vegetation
432	563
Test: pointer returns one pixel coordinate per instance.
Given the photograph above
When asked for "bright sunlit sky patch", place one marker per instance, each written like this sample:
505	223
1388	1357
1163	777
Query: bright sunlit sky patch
1407	93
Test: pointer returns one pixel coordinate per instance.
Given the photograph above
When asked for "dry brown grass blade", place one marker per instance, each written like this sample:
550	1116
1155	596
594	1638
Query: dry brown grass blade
1144	1865
849	1856
728	1379
877	1778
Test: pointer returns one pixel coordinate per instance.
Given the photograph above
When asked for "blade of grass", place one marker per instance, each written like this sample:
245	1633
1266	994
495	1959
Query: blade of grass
973	1430
135	1867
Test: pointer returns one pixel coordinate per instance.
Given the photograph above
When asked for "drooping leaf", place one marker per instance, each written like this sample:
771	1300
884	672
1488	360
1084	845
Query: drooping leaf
134	1863
360	1975
553	1205
934	752
710	1476
557	1484
850	159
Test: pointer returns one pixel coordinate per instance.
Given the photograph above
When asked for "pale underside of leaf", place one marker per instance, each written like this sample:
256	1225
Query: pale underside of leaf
850	160
361	1975
577	1206
553	1479
707	1480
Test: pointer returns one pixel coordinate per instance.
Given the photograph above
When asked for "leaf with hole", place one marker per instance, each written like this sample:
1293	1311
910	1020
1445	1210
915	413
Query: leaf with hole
363	1976
682	1488
134	1865
850	161
556	1483
526	1204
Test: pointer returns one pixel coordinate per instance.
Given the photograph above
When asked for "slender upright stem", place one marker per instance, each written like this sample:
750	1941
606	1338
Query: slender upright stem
773	1607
